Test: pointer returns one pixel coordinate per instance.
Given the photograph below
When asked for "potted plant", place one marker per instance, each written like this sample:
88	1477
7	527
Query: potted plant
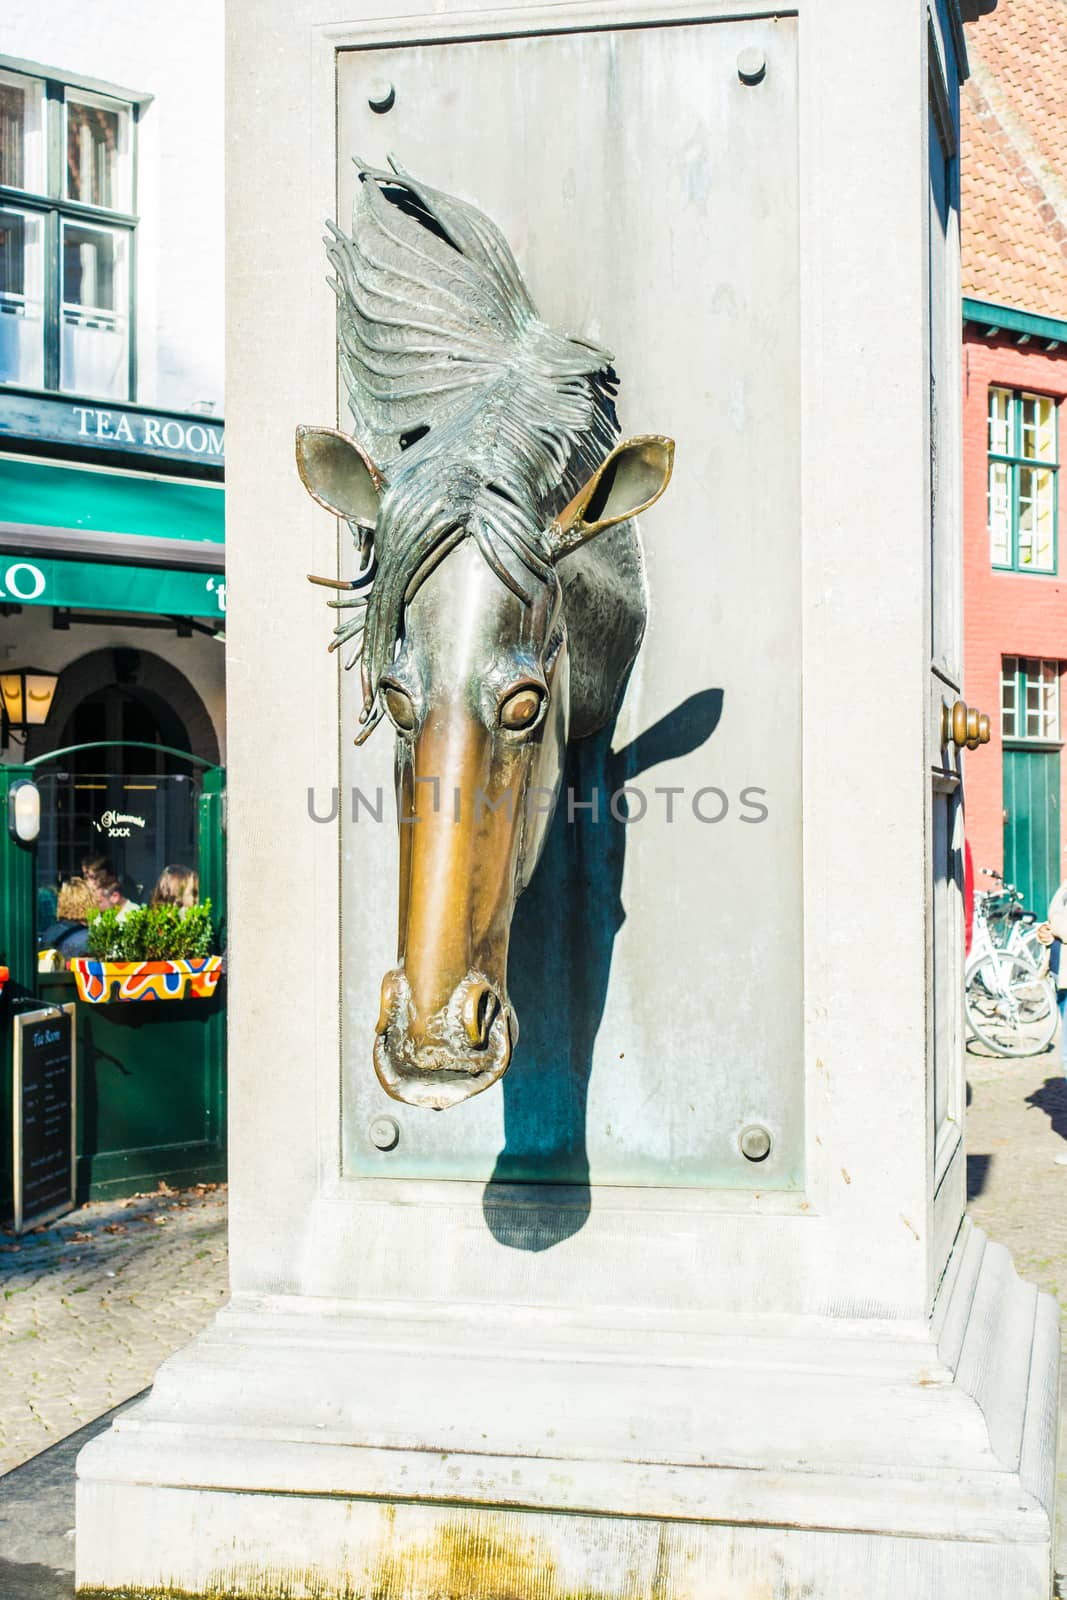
154	953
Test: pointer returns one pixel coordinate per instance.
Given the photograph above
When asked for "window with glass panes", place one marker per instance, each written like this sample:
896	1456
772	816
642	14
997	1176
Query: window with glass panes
1023	466
67	233
1029	698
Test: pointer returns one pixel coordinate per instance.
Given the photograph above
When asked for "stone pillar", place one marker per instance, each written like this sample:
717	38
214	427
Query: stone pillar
571	1337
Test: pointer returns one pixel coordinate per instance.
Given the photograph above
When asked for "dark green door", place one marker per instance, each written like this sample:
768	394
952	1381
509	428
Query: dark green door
1032	824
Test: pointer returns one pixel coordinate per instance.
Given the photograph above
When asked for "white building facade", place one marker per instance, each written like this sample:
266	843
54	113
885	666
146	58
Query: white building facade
111	373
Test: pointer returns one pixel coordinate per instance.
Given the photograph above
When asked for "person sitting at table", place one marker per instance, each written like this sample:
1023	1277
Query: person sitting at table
177	886
69	933
103	880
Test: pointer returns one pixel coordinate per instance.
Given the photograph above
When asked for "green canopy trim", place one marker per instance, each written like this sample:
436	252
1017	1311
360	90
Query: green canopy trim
69	499
99	586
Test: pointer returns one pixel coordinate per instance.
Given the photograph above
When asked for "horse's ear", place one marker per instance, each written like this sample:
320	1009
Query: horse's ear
627	482
339	474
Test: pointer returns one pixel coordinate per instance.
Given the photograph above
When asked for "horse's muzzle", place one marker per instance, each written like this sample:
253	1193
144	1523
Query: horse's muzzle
440	1060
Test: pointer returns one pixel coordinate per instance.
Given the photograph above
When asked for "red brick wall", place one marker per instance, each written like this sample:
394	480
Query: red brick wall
1004	613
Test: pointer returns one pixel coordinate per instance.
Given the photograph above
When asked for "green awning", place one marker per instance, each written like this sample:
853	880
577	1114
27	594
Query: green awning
99	586
110	541
44	495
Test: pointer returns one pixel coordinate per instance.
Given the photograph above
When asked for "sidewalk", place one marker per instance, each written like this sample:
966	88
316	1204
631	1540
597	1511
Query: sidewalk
1016	1127
91	1306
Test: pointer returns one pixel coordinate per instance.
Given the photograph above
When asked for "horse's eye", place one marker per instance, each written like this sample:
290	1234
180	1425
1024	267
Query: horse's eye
521	709
399	706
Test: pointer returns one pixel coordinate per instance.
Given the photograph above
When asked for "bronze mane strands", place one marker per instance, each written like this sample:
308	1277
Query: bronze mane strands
484	481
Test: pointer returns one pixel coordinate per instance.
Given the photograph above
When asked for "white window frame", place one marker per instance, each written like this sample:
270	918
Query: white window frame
1017	680
50	199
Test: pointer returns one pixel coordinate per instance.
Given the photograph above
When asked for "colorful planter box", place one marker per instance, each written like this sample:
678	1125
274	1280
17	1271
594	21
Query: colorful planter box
100	981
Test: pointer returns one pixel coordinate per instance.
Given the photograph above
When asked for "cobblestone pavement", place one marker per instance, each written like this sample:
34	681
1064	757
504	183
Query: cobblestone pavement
1016	1127
92	1304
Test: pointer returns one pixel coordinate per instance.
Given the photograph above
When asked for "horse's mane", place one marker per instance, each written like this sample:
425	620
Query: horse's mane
483	421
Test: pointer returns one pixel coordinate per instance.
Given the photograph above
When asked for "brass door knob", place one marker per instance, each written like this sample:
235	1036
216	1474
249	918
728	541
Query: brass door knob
963	727
954	723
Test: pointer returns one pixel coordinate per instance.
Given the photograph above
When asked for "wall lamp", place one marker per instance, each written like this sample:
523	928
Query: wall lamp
26	695
24	811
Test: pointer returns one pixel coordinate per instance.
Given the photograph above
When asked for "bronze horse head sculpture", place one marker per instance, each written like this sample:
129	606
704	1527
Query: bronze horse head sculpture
500	601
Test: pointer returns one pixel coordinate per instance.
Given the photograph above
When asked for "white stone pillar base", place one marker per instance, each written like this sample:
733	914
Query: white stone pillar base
324	1451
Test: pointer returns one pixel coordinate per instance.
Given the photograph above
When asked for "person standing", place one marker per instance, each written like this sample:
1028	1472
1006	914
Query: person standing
1053	932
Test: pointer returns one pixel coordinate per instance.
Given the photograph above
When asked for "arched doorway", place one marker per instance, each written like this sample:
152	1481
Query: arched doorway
127	694
126	718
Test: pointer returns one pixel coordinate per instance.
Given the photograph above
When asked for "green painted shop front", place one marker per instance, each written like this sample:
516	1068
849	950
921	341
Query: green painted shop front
151	1093
112	533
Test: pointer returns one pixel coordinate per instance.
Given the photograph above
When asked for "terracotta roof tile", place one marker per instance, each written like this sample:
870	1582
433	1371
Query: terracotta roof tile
1014	157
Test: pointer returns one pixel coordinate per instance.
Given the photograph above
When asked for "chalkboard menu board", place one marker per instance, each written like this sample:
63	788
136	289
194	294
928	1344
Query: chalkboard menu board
44	1101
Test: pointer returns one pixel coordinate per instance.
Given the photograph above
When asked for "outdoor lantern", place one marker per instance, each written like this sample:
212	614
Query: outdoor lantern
26	697
24	811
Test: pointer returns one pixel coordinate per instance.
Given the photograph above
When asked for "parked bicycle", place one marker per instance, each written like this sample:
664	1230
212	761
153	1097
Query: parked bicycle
1013	927
1009	998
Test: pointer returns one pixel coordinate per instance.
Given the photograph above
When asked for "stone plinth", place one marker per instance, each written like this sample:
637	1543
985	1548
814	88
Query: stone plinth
327	1449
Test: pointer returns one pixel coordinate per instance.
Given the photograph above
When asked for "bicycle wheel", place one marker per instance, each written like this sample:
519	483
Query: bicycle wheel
1010	1007
1030	945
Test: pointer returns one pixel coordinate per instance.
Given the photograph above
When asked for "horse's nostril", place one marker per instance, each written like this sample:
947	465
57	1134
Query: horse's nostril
480	1006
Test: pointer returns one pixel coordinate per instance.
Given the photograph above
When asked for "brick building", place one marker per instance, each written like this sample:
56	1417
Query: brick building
1014	239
